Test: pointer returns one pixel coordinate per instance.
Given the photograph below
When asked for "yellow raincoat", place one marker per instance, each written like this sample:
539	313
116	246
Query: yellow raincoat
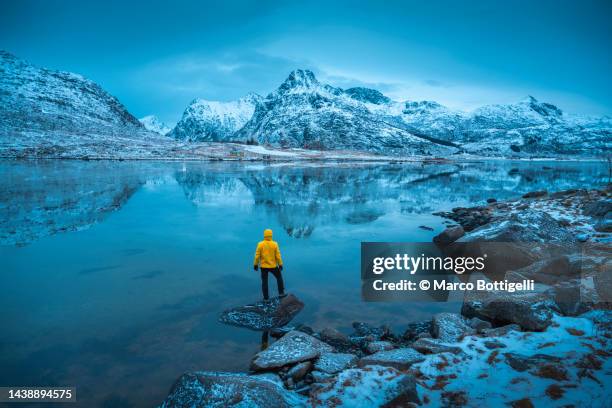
268	253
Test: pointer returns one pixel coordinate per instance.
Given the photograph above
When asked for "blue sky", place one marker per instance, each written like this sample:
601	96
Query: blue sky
156	56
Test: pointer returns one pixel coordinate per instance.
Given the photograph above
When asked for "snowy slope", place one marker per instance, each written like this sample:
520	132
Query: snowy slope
38	99
214	121
152	123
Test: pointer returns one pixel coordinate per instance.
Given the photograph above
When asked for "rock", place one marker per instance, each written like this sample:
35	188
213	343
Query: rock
450	327
491	200
364	329
519	240
262	315
577	296
332	363
548	271
401	358
372	386
479	325
582	237
535	194
501	331
376	346
598	208
533	311
541	365
319	376
211	389
494	344
426	228
299	371
449	235
434	346
335	338
415	329
293	347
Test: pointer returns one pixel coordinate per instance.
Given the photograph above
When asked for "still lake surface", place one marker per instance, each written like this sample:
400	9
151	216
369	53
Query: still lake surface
114	273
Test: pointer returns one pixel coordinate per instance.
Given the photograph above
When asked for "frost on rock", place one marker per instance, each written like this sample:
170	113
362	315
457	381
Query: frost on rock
293	347
401	358
332	363
212	389
264	315
372	386
449	327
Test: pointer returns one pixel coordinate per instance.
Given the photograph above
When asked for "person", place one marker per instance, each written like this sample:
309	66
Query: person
268	256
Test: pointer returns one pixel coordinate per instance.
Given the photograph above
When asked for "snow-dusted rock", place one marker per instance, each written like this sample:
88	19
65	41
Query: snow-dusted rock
332	363
293	347
264	315
434	346
450	327
214	121
381	345
372	386
530	310
401	358
204	389
152	123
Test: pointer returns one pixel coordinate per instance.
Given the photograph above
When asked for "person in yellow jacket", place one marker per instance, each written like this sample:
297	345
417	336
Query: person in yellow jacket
268	256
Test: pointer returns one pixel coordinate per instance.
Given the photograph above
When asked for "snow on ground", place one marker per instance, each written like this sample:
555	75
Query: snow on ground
263	150
482	377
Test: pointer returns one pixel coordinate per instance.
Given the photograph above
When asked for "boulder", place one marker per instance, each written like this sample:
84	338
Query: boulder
519	240
376	346
548	271
332	363
212	389
413	330
532	311
434	346
293	347
299	371
449	235
264	315
401	358
372	386
450	327
335	338
479	325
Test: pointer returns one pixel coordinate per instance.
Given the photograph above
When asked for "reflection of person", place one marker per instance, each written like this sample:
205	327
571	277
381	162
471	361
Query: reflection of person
268	255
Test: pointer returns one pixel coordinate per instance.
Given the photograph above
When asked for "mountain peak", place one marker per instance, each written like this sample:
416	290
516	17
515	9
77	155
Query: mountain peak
299	78
543	108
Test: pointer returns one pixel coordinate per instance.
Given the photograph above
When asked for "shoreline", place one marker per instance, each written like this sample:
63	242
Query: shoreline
539	348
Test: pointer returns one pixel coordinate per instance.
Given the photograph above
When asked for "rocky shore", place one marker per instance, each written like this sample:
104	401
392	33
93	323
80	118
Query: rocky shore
549	347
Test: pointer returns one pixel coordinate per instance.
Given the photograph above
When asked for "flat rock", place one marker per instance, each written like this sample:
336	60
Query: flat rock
380	345
212	389
401	358
332	363
372	386
532	311
263	315
450	327
293	347
434	346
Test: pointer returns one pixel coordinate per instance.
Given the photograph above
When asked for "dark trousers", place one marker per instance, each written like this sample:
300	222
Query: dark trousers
264	281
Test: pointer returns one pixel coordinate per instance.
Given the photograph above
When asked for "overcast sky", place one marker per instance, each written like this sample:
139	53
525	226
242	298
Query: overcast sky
156	56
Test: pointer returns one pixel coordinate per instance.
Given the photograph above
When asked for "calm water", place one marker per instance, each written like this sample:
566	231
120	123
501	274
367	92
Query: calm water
114	272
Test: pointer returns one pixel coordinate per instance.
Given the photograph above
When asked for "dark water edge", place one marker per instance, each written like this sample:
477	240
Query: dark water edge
115	272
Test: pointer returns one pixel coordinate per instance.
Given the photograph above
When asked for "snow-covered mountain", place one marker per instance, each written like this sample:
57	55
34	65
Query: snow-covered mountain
152	123
302	112
214	121
37	99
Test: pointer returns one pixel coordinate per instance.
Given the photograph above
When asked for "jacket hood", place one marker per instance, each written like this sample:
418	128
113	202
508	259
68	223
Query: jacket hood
268	235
